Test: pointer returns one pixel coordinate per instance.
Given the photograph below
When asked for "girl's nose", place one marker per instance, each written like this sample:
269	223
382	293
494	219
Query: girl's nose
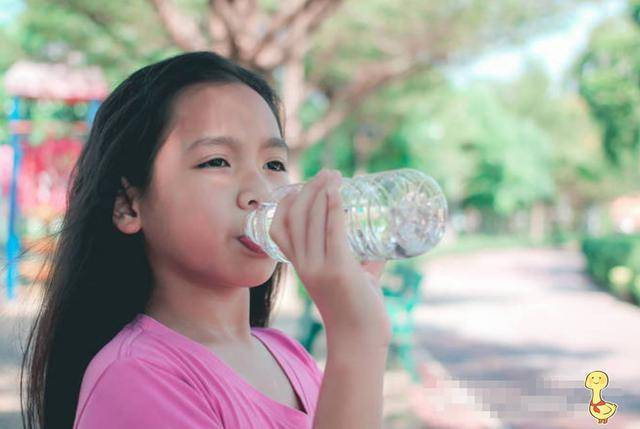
250	199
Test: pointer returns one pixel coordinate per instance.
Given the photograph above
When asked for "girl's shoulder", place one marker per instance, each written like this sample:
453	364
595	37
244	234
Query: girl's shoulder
131	358
131	343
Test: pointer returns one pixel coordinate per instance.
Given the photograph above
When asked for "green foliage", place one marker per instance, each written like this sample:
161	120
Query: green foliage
499	148
367	31
608	76
614	262
514	168
393	153
5	103
482	154
117	36
335	152
578	164
634	7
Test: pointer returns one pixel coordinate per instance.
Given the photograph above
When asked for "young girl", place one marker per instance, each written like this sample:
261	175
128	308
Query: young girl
156	311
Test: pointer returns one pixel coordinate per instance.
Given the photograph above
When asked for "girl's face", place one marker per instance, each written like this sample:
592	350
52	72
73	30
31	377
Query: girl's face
201	192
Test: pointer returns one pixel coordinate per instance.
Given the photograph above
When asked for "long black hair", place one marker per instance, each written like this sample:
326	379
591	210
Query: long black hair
100	278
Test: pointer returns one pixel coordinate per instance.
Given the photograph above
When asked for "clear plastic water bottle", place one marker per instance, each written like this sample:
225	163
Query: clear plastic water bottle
393	214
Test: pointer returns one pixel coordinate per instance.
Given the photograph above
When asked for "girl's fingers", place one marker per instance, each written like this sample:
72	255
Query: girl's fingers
317	230
279	230
337	248
299	214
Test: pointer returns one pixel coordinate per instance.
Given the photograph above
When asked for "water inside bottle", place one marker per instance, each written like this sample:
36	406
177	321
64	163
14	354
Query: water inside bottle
387	216
391	218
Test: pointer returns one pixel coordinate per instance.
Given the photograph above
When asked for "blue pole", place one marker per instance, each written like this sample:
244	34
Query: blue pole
91	111
13	242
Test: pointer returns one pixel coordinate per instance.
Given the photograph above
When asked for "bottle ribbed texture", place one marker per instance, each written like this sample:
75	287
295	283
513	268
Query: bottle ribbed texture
393	214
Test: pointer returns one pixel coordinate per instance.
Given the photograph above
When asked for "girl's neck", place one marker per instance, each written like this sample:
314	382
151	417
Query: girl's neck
207	315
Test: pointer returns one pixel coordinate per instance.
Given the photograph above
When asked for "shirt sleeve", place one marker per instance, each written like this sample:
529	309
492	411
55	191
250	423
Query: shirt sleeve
135	393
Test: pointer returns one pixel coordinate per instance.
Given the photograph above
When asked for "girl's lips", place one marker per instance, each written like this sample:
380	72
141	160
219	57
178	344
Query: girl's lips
251	245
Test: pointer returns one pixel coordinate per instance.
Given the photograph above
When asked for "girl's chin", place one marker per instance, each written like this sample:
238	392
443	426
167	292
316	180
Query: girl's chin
249	280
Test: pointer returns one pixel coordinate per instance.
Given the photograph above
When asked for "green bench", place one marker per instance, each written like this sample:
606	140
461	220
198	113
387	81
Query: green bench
401	289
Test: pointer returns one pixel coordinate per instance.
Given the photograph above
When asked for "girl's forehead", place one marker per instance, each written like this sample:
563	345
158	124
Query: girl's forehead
230	109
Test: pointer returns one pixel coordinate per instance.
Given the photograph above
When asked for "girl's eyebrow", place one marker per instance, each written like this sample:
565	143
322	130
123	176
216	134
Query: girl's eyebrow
235	144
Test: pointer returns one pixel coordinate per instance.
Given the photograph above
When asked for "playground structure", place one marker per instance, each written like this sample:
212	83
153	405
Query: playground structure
34	178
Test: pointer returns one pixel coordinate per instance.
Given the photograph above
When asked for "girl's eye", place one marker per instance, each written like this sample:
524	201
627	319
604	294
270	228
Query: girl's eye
213	163
283	168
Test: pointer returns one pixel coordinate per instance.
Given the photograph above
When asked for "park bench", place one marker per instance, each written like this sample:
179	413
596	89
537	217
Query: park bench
401	290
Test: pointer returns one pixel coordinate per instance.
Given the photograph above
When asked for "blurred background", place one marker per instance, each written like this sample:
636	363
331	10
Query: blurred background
526	113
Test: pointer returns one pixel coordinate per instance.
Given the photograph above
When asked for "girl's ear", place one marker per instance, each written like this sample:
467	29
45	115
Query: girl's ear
126	213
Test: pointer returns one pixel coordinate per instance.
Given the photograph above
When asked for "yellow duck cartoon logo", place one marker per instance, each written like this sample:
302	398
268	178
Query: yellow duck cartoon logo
596	381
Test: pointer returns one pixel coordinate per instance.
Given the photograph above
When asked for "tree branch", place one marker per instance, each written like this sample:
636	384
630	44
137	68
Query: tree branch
238	19
222	42
322	15
291	27
368	79
106	26
421	52
228	15
283	19
246	7
183	30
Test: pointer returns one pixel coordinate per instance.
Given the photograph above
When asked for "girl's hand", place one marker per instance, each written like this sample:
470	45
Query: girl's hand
309	228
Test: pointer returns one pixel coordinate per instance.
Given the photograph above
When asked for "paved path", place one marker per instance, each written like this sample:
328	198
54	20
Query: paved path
518	331
15	320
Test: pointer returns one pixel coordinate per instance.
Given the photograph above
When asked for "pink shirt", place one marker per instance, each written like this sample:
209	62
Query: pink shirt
150	376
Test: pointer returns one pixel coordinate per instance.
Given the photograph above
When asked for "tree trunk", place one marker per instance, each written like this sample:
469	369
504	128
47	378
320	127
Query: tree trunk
362	147
292	97
295	169
537	222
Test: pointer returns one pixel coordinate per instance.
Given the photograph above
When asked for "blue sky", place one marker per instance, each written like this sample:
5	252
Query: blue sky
9	9
556	50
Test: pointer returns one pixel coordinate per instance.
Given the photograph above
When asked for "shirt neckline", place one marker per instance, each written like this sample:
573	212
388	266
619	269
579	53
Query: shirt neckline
150	323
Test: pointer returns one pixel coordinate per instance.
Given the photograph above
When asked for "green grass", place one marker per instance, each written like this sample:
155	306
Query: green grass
479	242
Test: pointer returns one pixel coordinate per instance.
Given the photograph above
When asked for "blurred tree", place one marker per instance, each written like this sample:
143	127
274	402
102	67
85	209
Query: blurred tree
608	76
502	160
336	64
579	166
503	148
